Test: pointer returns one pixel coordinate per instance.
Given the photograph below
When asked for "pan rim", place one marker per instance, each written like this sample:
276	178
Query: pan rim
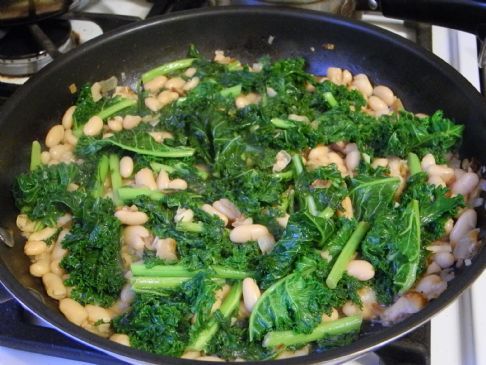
357	348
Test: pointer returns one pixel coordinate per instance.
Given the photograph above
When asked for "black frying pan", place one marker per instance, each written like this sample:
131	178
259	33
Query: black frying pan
421	80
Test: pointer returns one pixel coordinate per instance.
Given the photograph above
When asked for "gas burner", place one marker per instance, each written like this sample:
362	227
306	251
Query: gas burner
23	49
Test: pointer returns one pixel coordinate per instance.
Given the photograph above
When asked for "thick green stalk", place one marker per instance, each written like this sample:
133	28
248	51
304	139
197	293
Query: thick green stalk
414	164
233	91
115	108
297	163
282	123
35	156
194	227
116	179
334	328
327	213
287	175
139	269
157	167
346	254
167	68
330	99
101	173
126	193
230	304
146	283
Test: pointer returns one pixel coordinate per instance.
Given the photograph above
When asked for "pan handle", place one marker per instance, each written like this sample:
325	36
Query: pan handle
466	15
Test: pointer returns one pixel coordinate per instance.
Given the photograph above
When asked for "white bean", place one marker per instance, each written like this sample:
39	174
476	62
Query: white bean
33	248
127	294
379	162
251	293
166	249
332	317
385	94
449	224
96	91
348	208
271	92
436	180
134	236
175	84
190	72
126	167
70	138
155	84
131	121
41	266
24	223
250	232
191	84
361	270
465	184
43	234
145	178
93	127
166	97
444	259
96	313
120	338
378	105
67	118
226	207
350	309
56	268
178	184
433	268
334	158
427	161
409	303
347	77
54	286
115	123
352	160
443	171
131	218
266	242
57	151
152	103
431	286
282	159
465	223
54	136
363	85
45	157
73	311
335	75
282	221
184	215
212	211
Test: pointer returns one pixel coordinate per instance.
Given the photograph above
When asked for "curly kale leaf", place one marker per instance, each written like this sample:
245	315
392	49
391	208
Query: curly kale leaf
43	193
93	253
436	206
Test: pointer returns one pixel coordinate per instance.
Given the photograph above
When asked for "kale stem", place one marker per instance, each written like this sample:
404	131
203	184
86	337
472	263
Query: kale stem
35	156
167	68
230	304
101	173
194	227
116	179
311	205
126	193
287	175
144	283
327	213
157	167
346	254
414	164
334	328
115	108
282	123
233	91
139	269
330	99
297	162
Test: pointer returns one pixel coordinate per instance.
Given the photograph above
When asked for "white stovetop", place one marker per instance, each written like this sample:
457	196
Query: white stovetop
458	332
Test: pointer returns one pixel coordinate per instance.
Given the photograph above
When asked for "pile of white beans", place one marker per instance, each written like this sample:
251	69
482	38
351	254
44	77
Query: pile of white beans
456	248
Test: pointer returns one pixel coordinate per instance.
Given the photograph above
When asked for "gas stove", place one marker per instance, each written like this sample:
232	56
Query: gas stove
452	337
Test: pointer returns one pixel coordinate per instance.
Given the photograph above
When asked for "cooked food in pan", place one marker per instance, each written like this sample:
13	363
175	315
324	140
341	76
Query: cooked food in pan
217	210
